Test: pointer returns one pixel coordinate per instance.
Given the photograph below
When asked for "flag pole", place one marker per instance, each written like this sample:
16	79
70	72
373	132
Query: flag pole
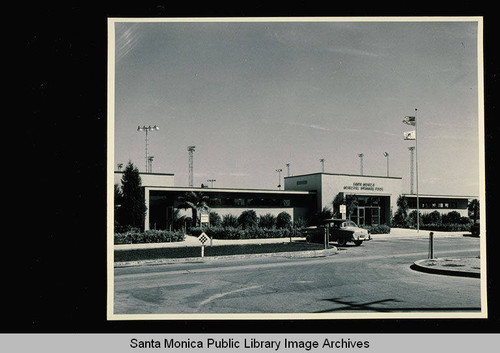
416	167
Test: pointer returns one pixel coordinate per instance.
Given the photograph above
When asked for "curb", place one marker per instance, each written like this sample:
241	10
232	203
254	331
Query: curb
290	254
419	266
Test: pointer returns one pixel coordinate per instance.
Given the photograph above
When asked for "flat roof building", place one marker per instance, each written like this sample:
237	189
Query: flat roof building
368	199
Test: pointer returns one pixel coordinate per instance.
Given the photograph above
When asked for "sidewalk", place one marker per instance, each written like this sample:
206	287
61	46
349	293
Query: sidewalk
396	233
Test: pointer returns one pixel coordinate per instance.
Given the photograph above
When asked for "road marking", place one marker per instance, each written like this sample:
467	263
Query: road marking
216	296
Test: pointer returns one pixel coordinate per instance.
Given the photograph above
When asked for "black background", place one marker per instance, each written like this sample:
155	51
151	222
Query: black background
54	248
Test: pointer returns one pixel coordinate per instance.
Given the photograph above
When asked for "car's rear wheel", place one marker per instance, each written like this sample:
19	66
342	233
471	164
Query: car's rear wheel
308	238
358	242
341	241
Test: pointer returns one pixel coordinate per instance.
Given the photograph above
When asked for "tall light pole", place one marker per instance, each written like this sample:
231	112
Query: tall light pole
361	162
279	178
386	155
150	164
211	181
288	169
322	161
190	165
146	129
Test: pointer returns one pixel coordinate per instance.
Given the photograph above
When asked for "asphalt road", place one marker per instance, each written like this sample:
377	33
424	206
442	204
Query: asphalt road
373	278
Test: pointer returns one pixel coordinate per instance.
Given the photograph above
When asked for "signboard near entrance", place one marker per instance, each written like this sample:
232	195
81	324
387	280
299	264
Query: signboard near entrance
343	211
205	218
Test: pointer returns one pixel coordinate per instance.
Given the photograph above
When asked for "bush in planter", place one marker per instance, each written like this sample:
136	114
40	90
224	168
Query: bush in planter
432	218
378	229
230	220
447	227
215	219
283	220
248	219
300	223
149	236
267	221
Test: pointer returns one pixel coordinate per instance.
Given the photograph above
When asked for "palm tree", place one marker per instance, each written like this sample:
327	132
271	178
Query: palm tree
196	201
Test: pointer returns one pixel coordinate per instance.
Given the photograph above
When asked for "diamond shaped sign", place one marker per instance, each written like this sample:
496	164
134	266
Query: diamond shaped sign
203	238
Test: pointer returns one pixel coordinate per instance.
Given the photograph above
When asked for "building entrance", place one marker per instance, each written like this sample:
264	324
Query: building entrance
367	215
369	210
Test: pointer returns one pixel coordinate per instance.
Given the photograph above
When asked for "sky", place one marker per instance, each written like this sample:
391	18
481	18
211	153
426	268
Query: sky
253	96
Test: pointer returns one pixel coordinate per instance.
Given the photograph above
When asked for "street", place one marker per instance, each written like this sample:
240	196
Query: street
373	278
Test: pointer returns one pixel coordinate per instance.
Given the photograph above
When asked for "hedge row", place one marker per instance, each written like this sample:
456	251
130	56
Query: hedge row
149	236
378	229
238	233
449	227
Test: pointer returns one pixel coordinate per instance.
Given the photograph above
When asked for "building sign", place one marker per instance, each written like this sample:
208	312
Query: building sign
357	186
205	218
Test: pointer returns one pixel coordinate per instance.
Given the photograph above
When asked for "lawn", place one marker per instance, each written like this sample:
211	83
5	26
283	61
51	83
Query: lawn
221	250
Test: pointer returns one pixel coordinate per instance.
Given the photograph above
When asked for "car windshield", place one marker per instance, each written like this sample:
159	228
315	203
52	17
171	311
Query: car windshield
350	224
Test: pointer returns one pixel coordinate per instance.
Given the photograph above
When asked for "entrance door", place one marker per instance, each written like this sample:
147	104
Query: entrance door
361	216
368	215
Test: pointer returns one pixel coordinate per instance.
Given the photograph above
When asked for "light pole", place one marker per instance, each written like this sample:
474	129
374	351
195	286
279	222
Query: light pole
386	155
361	162
279	178
150	164
211	181
146	129
322	161
288	169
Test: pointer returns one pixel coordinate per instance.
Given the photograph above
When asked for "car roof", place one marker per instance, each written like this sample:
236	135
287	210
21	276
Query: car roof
333	220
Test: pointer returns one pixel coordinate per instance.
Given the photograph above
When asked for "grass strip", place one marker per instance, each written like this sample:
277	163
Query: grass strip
220	250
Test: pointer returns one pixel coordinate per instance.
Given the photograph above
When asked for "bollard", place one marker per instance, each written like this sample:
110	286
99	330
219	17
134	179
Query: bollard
326	237
431	245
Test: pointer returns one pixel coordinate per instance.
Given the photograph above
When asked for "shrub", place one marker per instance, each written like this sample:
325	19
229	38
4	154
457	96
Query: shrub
283	220
248	219
230	220
238	233
149	236
378	229
267	221
215	219
400	220
447	227
432	218
300	223
412	219
451	217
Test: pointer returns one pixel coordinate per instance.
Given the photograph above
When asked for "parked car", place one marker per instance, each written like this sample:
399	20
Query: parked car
340	231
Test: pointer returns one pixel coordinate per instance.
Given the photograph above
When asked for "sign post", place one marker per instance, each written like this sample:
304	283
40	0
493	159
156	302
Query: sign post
203	238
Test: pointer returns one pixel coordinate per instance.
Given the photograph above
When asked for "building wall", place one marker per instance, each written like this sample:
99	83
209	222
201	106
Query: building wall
329	185
150	179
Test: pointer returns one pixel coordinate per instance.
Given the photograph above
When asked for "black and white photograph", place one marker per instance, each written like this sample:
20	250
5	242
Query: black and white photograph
284	168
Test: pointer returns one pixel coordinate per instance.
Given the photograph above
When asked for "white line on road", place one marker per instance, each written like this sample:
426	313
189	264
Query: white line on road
216	296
